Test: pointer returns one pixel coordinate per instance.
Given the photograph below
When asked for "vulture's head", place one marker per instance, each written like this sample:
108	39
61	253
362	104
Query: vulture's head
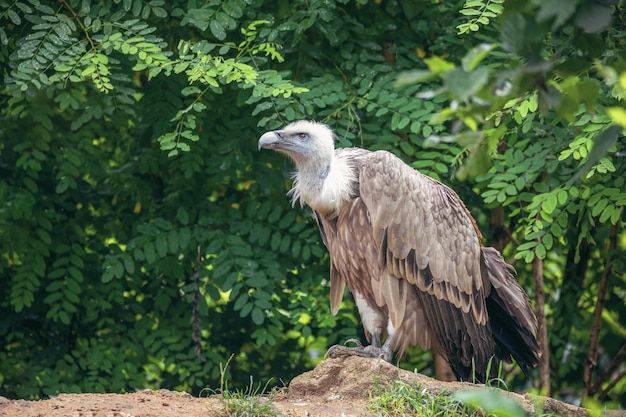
309	144
321	180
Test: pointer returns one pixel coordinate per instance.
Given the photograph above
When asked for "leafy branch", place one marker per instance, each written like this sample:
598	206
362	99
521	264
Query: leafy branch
199	62
481	12
80	23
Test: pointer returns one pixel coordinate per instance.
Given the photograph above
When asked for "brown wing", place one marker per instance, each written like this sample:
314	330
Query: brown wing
426	236
337	283
354	263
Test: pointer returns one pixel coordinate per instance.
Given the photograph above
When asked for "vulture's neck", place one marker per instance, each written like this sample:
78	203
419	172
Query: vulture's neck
324	185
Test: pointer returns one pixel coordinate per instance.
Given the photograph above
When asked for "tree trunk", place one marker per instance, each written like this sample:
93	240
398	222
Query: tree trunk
542	331
500	235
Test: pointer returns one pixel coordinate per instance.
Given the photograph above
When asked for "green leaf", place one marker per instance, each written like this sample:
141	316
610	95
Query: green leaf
53	298
477	163
55	286
64	317
407	148
159	12
107	276
408	78
562	197
198	17
588	91
233	9
161	245
184	237
44	236
149	252
287	220
241	302
540	251
285	244
559	10
470	12
257	315
182	216
608	213
549	204
221	270
463	85
475	56
593	17
548	241
118	270
129	265
617	115
491	402
256	281
599	207
602	143
217	29
275	215
246	309
14	17
438	65
519	34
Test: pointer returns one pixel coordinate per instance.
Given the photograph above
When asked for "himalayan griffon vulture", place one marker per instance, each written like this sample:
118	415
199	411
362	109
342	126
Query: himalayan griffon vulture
410	252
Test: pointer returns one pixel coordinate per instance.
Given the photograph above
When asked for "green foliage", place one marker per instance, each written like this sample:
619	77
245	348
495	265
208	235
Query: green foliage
479	13
132	194
211	71
490	402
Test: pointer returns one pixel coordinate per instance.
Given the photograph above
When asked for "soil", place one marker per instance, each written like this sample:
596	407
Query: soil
336	387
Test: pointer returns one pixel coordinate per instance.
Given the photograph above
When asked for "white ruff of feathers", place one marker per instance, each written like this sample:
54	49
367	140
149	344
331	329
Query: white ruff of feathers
323	179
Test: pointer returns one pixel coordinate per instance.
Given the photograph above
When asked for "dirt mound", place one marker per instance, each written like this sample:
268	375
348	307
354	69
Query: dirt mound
336	387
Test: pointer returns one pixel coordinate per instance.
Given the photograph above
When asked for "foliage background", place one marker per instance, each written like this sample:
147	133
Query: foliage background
144	240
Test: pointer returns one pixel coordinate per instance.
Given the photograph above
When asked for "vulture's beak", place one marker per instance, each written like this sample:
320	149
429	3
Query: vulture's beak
271	139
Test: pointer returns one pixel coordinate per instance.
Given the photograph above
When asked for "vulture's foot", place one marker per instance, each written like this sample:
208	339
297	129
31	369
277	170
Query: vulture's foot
371	351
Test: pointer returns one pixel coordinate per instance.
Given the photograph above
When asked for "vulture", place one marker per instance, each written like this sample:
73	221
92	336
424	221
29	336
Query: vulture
410	253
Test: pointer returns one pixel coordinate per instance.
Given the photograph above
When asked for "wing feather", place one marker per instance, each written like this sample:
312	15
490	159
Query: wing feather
426	237
337	287
418	223
408	245
337	282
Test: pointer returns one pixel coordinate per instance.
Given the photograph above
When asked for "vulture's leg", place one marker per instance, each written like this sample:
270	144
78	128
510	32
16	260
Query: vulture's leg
374	323
373	351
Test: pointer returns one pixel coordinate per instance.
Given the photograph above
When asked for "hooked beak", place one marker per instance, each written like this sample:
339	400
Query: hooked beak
271	139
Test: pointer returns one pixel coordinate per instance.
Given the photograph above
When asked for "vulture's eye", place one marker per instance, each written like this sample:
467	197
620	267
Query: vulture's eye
302	136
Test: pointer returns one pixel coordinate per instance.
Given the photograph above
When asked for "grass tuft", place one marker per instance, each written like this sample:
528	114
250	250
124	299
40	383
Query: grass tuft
253	401
402	399
249	402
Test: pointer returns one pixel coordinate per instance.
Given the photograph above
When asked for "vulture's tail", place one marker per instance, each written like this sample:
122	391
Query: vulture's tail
513	323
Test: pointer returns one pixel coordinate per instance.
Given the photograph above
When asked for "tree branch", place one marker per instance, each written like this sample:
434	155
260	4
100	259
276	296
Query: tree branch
80	23
608	373
196	320
603	393
592	355
615	363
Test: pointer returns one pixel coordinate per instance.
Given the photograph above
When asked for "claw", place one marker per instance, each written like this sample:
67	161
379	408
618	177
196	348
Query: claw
357	342
342	350
332	351
370	351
